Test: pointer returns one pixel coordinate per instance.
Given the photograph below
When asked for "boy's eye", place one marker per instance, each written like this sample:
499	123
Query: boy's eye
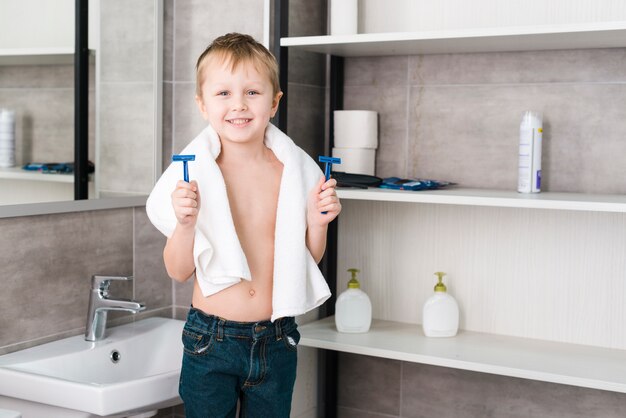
222	93
252	93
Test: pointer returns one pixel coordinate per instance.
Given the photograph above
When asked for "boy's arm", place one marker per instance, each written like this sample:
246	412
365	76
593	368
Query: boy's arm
178	253
323	198
316	241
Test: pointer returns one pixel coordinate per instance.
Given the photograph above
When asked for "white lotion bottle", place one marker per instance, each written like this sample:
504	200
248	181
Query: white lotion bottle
530	140
441	312
353	310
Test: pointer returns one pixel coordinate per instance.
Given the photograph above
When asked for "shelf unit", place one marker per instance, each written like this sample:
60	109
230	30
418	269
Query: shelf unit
498	198
570	364
585	366
533	38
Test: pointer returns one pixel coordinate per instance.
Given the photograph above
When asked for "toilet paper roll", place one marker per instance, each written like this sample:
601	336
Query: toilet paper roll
355	160
356	129
344	17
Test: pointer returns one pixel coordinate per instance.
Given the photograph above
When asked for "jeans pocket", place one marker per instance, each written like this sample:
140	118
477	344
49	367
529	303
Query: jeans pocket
195	343
291	339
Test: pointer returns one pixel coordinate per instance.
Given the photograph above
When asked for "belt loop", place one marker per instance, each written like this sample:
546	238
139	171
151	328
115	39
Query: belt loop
220	330
279	331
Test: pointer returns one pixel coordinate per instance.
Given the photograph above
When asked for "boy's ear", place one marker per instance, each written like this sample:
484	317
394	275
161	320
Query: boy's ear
275	102
202	107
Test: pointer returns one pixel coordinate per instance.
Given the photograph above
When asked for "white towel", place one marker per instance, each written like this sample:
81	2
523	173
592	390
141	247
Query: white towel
220	261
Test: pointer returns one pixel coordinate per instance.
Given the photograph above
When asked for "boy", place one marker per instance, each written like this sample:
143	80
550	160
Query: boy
252	230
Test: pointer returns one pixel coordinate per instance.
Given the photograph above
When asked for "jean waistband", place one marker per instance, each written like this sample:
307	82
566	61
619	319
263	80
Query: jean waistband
211	324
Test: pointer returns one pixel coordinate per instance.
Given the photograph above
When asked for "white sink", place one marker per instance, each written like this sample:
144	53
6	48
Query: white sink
74	374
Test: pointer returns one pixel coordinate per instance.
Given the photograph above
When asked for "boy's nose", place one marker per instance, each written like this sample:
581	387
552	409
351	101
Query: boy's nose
239	103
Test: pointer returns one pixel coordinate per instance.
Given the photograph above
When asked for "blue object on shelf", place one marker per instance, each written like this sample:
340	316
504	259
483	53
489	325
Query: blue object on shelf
51	168
396	183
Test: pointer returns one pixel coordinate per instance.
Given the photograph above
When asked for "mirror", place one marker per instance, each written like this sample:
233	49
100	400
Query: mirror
125	85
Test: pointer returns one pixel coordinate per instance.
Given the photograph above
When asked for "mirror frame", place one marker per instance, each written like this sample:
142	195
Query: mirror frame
81	73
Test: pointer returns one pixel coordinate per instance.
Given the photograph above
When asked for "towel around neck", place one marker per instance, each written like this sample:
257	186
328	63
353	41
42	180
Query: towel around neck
298	284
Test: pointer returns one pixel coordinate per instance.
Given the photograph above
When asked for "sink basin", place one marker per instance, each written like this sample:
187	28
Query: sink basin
136	368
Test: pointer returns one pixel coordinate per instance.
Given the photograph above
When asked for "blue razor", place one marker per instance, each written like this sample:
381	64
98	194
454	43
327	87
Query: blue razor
184	159
329	161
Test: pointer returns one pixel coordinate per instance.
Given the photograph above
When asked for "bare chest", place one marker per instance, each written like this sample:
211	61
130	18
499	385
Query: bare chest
253	197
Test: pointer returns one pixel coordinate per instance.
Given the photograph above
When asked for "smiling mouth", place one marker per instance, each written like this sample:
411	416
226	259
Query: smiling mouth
238	121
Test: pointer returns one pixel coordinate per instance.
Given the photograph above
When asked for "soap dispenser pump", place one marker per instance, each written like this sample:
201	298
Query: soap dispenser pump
441	312
353	310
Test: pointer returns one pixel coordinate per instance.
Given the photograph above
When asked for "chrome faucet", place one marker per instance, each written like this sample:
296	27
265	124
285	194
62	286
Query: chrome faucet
100	304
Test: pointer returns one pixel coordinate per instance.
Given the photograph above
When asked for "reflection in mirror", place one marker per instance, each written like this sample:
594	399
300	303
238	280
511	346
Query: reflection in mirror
37	83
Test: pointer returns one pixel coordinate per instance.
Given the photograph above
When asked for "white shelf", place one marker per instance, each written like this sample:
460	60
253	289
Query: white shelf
17	173
570	364
39	56
533	38
500	198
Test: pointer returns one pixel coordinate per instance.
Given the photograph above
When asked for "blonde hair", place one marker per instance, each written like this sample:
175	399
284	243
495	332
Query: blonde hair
237	48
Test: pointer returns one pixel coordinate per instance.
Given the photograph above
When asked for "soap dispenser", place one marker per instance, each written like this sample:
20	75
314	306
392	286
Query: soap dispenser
353	310
441	312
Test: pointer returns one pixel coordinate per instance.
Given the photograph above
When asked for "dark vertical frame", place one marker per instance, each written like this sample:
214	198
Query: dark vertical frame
281	30
81	101
327	366
328	360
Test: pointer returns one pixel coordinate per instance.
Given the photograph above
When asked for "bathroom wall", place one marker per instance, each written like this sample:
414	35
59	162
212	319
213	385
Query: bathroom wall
127	105
47	263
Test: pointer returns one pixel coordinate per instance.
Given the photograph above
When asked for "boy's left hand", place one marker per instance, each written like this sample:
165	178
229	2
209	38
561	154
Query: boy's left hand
323	198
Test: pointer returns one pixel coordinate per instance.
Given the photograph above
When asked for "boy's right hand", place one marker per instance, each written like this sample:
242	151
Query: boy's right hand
186	202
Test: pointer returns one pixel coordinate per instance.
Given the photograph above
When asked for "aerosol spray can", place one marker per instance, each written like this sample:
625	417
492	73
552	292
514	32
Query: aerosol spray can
7	138
530	139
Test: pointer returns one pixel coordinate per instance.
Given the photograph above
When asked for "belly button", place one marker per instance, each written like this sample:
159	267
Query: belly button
252	292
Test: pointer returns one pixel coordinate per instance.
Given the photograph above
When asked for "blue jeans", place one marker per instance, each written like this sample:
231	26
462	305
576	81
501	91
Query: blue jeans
226	361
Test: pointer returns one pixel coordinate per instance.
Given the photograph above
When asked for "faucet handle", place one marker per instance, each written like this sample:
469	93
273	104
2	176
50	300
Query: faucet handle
103	282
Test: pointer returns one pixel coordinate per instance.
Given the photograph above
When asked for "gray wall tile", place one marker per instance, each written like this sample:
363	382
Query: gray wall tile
307	68
307	17
377	72
168	123
391	104
46	276
152	284
430	391
369	383
585	65
37	76
126	162
306	118
168	40
127	41
188	121
478	147
197	24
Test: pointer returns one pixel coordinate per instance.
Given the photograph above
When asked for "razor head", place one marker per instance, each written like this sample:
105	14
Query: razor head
181	157
331	160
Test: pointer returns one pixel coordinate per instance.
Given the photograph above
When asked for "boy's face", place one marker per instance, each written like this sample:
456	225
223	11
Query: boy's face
238	104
